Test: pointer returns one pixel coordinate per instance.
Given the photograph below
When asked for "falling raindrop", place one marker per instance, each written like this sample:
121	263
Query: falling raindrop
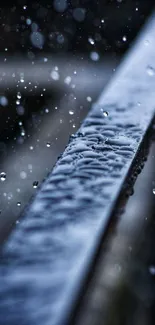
89	99
48	144
152	270
3	101
18	204
124	38
67	80
55	75
71	112
153	191
35	184
91	41
105	114
37	39
94	56
3	176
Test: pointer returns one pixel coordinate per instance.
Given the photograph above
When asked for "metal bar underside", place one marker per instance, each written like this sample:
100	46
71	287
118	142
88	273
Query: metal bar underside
47	257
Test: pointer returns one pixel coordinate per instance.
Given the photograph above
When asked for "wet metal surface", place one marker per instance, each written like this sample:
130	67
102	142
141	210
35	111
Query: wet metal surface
50	251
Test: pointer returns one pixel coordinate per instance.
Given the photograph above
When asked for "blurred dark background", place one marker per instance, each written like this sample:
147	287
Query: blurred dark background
66	25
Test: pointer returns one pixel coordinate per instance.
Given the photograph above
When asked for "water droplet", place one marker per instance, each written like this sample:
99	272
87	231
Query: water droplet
23	133
23	175
28	21
67	80
91	41
55	75
152	269
105	113
124	38
153	191
94	56
60	5
37	39
35	184
3	176
150	71
18	204
3	101
79	14
71	112
89	99
48	144
19	95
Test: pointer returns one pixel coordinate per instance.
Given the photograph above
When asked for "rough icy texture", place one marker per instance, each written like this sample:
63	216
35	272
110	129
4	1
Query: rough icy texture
48	253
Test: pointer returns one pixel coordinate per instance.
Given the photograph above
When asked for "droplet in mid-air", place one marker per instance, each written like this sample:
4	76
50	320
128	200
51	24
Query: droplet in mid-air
3	176
18	204
150	71
91	41
35	184
94	56
152	270
124	38
48	144
71	112
153	191
19	95
89	99
105	114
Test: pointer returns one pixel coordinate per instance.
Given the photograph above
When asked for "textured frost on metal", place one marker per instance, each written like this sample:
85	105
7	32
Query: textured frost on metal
48	253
